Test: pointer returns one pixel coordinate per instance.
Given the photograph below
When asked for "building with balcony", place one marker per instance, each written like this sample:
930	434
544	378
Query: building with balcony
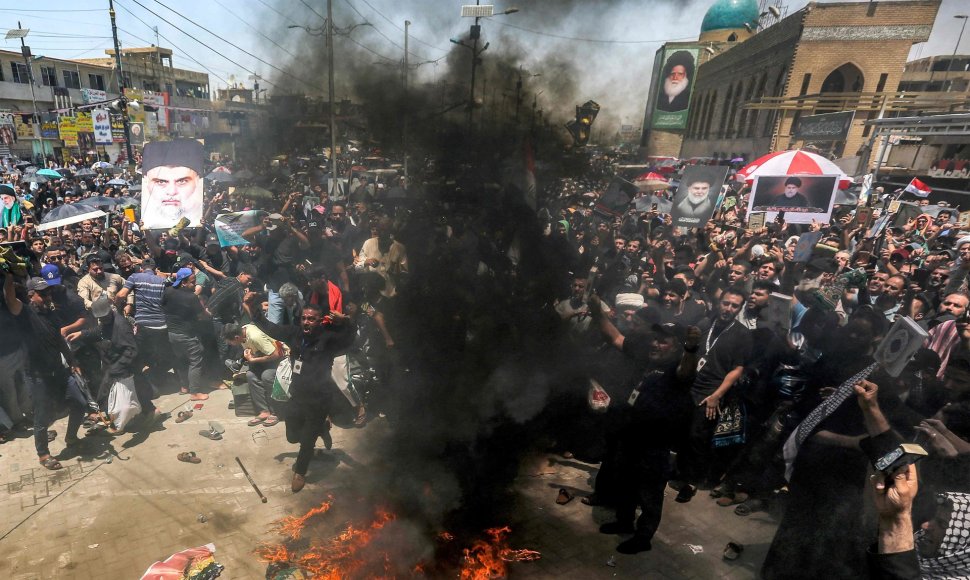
175	102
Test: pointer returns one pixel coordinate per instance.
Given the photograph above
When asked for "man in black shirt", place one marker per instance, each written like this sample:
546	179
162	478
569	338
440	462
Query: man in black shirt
724	349
652	419
182	313
792	197
313	394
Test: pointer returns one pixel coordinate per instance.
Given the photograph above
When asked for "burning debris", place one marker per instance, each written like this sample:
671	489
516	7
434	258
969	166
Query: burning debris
367	551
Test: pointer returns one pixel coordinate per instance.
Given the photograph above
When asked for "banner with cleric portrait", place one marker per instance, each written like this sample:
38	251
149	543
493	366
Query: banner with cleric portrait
696	197
674	87
803	198
172	188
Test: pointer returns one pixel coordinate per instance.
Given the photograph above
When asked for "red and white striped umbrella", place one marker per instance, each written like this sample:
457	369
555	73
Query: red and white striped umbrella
650	182
794	162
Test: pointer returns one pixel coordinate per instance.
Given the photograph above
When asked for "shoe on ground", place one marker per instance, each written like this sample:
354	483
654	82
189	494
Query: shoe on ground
634	545
298	482
686	494
616	528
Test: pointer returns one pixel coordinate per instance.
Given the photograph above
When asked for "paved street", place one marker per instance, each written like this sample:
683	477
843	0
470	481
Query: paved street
112	519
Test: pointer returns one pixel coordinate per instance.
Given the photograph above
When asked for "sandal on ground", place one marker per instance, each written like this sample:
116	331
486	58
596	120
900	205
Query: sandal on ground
183	416
183	391
361	417
749	507
210	435
51	463
564	496
189	457
732	499
270	421
256	421
732	551
199	397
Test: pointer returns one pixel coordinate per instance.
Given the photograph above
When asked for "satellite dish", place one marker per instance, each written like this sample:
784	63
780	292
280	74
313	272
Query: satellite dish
775	11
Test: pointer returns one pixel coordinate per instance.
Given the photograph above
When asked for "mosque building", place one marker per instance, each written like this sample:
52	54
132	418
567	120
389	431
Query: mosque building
754	73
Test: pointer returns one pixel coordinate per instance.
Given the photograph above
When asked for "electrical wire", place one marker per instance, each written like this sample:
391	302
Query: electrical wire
278	12
254	29
267	63
187	55
596	40
51	10
392	23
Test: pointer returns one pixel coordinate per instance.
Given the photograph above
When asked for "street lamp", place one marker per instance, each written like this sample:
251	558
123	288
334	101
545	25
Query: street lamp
956	47
21	33
477	11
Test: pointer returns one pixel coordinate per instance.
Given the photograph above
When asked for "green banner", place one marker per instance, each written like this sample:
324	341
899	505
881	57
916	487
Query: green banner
676	83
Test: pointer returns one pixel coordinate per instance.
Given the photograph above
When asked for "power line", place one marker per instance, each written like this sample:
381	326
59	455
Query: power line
277	11
321	16
597	40
267	63
415	38
50	10
254	29
135	16
378	30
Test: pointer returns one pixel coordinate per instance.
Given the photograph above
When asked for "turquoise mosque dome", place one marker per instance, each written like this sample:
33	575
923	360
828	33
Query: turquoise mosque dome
730	14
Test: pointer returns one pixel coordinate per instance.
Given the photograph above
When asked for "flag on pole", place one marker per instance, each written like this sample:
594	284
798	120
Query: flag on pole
918	188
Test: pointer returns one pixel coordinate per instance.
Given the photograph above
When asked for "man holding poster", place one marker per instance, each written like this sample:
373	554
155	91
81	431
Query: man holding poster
172	172
803	198
697	195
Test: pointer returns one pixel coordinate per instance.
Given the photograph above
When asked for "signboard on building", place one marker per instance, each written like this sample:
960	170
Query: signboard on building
825	127
84	122
93	96
675	83
8	134
102	126
117	128
67	130
49	128
24	126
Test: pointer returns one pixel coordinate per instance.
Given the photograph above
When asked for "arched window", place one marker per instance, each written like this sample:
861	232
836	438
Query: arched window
845	79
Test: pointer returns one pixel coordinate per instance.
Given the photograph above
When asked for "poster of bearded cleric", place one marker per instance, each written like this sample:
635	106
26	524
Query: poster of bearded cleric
697	195
676	83
172	187
803	198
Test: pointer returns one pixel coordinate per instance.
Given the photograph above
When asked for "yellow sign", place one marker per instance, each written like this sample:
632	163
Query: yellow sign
84	122
24	130
67	130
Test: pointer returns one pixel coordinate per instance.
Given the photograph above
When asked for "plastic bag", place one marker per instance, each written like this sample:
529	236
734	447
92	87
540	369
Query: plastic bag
123	405
599	399
281	384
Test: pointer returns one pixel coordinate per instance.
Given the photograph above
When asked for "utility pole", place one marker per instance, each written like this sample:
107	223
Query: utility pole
475	33
123	102
335	190
25	50
404	138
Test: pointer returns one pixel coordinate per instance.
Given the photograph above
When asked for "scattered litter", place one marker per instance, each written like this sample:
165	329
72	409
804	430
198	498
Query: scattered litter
611	562
93	546
109	459
202	519
695	549
192	564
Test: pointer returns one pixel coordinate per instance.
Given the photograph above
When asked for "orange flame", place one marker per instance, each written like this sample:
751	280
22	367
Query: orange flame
487	559
345	557
292	527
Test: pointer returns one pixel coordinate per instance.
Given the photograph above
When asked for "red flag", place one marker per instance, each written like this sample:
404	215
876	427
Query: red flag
918	188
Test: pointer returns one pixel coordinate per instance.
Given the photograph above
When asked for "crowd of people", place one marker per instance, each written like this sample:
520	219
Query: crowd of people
711	345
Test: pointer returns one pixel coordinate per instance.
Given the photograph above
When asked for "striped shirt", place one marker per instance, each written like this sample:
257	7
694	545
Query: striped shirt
148	289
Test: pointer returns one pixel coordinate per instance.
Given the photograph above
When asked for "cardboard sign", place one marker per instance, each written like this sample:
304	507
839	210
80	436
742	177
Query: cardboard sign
756	221
964	220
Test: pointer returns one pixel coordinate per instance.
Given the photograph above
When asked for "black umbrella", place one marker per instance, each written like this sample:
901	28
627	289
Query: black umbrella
244	174
102	201
221	177
84	172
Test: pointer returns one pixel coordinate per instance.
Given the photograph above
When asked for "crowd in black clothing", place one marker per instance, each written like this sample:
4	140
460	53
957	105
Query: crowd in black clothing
713	344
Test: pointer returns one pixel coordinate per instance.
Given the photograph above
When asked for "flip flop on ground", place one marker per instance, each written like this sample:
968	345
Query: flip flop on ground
189	457
51	463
